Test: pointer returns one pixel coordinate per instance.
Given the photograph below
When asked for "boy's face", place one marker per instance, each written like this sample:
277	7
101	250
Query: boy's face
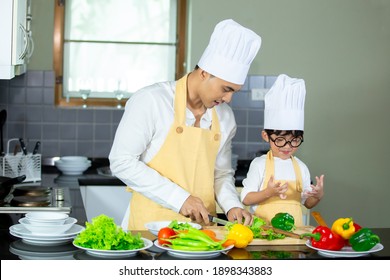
281	152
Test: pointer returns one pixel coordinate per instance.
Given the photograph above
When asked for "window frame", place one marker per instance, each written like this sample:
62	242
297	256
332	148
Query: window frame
58	57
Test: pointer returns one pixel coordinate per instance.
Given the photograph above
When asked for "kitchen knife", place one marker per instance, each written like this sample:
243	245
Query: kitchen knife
217	220
36	147
23	146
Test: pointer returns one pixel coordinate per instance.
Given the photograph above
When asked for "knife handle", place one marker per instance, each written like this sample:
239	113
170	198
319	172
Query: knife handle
36	147
23	146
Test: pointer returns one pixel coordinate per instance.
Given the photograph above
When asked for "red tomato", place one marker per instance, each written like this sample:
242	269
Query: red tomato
165	233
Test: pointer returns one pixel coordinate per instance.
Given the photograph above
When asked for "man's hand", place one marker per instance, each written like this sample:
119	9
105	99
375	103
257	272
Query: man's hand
240	215
194	208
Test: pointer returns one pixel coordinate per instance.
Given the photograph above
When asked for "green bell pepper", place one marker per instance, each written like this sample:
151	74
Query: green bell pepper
284	221
363	240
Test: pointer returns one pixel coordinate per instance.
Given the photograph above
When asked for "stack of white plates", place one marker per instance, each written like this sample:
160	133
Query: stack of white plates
72	165
46	228
37	252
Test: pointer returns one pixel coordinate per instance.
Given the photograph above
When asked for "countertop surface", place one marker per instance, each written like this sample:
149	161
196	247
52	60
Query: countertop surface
12	247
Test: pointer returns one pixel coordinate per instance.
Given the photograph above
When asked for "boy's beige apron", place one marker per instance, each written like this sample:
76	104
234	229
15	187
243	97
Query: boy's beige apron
292	204
187	158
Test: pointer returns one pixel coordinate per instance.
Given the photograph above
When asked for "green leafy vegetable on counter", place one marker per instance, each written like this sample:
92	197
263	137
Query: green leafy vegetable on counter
175	225
104	234
258	231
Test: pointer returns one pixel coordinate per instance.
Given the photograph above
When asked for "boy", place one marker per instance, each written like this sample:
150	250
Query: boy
280	182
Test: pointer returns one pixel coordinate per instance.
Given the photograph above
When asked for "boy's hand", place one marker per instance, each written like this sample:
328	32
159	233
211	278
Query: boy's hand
277	188
317	190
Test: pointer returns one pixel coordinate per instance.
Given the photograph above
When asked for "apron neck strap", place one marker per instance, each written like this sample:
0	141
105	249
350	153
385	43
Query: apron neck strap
271	170
181	105
181	100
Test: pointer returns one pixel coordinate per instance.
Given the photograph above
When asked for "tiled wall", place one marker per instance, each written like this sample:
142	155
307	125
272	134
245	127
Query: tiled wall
249	116
31	114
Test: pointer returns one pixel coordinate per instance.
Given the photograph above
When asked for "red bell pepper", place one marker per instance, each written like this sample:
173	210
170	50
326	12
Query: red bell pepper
323	238
357	228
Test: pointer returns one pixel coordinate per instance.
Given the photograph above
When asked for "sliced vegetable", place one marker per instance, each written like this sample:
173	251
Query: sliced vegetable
324	238
175	225
364	240
211	234
228	243
344	227
165	234
194	240
284	221
260	233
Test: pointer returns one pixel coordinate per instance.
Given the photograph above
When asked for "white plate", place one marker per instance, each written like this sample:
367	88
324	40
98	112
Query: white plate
48	229
345	252
116	253
192	254
154	227
44	242
20	230
27	251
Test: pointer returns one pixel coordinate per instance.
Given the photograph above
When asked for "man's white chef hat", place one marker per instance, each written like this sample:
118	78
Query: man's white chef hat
230	52
284	104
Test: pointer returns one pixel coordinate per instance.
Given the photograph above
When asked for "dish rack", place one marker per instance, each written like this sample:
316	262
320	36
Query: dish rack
15	165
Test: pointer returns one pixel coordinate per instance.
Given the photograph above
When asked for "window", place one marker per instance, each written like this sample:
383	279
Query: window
104	50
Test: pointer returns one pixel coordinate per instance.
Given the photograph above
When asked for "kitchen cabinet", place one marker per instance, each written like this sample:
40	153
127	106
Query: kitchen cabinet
16	43
109	200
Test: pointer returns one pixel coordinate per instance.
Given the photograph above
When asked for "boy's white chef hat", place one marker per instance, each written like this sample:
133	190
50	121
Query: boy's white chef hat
284	104
230	52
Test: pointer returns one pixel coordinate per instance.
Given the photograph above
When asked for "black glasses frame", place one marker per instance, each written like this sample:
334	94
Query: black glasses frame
286	141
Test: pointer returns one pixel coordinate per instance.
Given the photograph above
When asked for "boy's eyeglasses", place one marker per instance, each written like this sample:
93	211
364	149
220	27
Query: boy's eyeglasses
280	142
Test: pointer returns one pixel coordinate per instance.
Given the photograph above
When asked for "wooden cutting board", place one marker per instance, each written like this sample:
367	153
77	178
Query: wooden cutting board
221	232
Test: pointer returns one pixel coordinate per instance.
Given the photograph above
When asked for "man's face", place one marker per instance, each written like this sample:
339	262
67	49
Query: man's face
214	91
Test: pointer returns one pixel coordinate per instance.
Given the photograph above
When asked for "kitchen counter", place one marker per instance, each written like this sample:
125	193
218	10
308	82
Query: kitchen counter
14	248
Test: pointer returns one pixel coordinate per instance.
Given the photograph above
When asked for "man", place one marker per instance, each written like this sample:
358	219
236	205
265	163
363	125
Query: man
173	144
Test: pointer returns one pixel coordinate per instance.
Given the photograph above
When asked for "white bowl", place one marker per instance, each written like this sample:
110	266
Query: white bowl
70	168
74	159
48	229
47	218
154	227
72	163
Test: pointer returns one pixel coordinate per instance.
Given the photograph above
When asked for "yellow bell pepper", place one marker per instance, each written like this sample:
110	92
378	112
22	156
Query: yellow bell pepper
241	234
344	227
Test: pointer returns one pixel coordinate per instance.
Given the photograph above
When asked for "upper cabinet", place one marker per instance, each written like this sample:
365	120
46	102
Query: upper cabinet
16	43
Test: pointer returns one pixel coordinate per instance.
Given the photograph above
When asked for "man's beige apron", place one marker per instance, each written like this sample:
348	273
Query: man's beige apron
187	158
292	204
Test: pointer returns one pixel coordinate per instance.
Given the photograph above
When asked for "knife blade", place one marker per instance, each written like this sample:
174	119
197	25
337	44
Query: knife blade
217	220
